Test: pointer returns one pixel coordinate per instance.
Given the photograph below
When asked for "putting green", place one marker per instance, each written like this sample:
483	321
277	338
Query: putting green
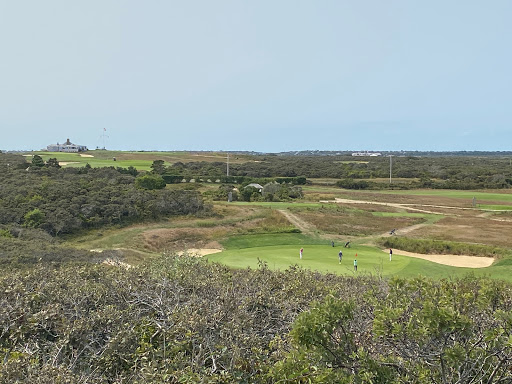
324	258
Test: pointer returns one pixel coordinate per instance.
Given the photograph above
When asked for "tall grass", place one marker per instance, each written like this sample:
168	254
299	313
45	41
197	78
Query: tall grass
427	246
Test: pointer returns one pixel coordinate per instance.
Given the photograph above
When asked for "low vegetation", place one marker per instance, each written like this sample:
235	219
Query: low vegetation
426	246
185	320
346	221
67	317
460	171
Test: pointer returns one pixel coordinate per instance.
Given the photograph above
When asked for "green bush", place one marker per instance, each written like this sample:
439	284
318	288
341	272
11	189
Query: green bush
149	181
33	218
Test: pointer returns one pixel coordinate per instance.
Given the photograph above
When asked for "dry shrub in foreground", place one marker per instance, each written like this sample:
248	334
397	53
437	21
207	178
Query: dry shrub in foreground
185	320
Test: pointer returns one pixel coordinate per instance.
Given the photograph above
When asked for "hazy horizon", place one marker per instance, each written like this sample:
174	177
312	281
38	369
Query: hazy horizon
265	77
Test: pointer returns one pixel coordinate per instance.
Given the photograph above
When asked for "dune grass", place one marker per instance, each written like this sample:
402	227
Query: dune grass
428	217
495	207
456	194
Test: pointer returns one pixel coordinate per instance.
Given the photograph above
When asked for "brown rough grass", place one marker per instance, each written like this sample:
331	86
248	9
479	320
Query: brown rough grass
229	221
468	229
354	223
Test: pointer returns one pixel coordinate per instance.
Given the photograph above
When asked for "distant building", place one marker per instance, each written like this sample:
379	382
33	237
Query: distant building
367	154
259	187
68	146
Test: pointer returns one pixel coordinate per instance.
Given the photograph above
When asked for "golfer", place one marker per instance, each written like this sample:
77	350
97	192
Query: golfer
340	256
301	250
355	265
390	254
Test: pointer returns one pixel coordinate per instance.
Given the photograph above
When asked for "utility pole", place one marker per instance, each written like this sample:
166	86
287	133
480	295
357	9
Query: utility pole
390	167
103	136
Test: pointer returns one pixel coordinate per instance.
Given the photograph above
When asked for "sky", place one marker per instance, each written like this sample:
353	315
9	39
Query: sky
266	75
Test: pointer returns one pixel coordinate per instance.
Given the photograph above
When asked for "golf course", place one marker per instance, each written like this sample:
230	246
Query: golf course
468	231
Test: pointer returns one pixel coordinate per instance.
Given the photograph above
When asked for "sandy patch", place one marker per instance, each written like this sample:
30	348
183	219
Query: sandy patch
451	260
86	155
68	162
200	252
117	263
111	261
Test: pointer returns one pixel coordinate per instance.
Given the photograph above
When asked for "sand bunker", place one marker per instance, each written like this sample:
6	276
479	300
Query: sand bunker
200	252
452	260
86	155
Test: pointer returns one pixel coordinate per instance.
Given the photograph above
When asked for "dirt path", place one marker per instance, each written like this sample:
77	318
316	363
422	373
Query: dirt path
304	226
462	261
403	231
411	206
452	260
394	205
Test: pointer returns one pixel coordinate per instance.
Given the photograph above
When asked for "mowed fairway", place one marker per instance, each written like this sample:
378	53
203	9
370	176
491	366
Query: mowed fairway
324	258
142	161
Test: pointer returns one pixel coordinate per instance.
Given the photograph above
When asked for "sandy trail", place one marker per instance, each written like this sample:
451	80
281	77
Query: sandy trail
395	205
304	226
403	231
199	252
411	206
452	260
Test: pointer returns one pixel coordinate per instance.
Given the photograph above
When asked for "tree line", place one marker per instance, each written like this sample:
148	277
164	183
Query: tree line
65	200
449	172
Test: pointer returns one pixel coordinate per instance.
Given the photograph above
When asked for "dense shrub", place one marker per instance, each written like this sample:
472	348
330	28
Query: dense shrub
149	181
185	320
70	199
459	171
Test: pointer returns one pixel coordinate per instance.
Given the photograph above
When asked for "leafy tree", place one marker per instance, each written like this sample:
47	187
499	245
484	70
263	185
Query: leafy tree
158	167
247	192
37	161
128	171
53	162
